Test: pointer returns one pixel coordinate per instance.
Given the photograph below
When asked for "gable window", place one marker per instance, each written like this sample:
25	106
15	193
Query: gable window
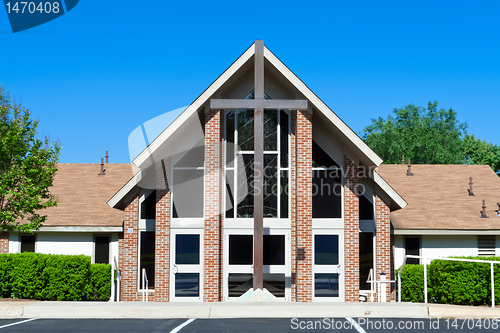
326	185
148	207
412	247
365	208
239	168
28	243
486	245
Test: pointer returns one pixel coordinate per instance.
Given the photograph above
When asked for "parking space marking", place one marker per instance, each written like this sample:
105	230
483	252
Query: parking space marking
355	324
178	328
19	322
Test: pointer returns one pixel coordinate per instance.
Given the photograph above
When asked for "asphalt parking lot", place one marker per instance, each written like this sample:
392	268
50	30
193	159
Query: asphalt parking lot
250	325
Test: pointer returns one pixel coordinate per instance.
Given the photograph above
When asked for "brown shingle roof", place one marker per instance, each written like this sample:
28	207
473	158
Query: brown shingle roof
437	196
83	195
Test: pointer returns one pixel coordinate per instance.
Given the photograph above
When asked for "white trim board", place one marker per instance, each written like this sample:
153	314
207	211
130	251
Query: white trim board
444	232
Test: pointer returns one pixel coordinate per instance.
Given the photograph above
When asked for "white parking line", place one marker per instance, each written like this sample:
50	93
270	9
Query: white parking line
355	324
178	328
19	322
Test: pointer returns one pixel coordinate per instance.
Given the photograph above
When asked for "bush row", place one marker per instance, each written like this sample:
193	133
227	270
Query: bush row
451	282
53	277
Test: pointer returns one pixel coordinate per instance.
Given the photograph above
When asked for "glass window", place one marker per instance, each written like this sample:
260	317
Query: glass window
239	283
274	249
326	249
28	243
284	194
412	247
148	207
320	158
240	249
284	128
326	285
270	185
245	188
187	285
187	249
229	194
365	208
230	139
365	259
101	250
270	130
188	193
245	129
275	284
147	257
327	194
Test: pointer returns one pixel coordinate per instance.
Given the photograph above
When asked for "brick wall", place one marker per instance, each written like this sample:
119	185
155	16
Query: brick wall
127	248
162	233
212	256
4	242
304	278
351	231
383	241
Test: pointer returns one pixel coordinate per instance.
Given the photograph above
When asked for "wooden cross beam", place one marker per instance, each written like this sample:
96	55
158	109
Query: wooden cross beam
258	104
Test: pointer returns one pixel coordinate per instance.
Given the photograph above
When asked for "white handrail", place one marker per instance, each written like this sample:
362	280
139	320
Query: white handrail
144	280
448	259
118	279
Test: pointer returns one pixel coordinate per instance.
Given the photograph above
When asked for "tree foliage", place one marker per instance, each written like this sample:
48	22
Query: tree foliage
27	169
426	136
479	151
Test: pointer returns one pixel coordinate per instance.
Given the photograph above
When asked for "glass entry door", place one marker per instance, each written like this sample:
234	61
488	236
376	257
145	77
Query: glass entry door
328	259
238	262
186	269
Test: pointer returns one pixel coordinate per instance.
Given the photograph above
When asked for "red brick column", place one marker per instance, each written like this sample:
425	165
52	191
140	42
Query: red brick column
304	249
128	249
4	242
162	233
383	241
212	256
351	231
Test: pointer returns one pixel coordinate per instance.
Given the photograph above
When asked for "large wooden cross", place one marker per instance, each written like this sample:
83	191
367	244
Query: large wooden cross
258	104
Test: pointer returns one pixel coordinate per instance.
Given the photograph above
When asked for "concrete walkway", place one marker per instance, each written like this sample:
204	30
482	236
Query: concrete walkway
239	310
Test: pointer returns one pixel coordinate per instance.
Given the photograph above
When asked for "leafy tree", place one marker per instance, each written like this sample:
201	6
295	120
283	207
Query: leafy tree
426	136
479	151
27	168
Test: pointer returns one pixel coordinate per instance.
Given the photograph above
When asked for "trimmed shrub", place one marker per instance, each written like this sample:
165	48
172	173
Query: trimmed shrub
27	269
53	277
99	287
452	282
412	283
65	278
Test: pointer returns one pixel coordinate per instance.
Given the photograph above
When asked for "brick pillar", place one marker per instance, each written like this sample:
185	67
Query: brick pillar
351	231
4	242
383	241
162	232
304	248
128	252
212	256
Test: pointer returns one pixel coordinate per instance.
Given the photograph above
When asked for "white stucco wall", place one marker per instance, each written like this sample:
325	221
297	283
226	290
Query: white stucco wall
439	246
65	243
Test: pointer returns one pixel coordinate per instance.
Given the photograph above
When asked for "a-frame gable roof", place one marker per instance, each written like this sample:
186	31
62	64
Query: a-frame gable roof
346	135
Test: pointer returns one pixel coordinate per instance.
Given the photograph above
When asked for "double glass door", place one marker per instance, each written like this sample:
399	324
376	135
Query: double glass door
238	262
186	265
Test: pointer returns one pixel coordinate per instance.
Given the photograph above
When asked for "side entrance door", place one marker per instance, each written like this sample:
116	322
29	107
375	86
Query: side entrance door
186	265
328	260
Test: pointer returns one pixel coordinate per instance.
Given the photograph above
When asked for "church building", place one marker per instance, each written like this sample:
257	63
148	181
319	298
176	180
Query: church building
257	184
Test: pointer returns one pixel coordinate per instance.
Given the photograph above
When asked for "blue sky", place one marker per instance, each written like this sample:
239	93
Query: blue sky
94	74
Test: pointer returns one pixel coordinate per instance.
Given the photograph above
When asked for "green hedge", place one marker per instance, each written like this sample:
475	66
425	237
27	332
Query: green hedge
53	277
451	282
